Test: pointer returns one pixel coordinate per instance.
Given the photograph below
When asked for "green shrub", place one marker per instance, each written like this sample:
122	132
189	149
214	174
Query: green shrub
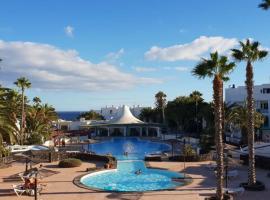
188	150
70	162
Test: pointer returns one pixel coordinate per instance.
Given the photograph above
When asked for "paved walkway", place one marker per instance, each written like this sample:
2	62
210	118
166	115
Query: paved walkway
60	185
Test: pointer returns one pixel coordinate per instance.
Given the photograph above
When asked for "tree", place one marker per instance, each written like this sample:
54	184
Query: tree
161	103
91	115
196	96
39	121
265	5
218	68
238	115
148	114
36	101
250	52
10	104
22	83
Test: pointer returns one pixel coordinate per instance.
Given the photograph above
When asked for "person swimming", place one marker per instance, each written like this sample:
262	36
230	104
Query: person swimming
138	172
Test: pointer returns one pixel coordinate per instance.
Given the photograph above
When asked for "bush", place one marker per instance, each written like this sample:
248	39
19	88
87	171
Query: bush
189	151
70	162
34	138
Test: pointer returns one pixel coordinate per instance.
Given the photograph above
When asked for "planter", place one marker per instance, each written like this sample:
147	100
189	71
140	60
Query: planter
226	197
258	186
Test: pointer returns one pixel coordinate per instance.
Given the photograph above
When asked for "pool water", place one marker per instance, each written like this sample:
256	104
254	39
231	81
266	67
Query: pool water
124	178
136	148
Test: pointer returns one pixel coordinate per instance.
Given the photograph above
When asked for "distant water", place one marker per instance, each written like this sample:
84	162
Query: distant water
69	115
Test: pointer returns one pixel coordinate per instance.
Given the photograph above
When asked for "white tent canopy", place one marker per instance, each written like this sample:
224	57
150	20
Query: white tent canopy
126	117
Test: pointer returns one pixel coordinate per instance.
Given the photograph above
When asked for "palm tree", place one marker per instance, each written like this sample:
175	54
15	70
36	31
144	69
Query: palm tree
39	120
250	52
196	96
22	83
37	101
238	115
161	103
265	5
216	67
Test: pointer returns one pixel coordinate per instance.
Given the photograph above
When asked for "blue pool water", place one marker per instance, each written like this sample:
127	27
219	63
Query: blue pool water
136	148
124	179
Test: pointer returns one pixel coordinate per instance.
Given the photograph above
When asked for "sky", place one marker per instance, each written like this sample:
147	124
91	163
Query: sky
81	55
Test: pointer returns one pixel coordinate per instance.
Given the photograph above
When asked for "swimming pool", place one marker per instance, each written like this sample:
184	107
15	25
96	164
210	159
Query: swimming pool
135	148
124	178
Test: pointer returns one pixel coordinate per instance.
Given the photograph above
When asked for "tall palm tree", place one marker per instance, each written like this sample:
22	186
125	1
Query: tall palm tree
161	103
22	83
265	4
250	52
218	68
196	96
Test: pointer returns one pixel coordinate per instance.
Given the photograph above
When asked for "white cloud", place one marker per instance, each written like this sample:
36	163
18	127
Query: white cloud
145	69
181	69
113	56
191	51
49	67
69	31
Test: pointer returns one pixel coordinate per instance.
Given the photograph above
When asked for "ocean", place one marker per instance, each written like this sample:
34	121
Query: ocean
69	115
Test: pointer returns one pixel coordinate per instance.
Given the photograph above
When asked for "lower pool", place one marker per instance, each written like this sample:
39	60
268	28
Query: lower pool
125	178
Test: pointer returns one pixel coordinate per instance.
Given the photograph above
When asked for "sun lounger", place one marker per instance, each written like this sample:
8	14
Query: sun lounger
235	191
212	166
19	190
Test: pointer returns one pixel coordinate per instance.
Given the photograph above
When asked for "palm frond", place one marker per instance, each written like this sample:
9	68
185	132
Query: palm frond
202	69
262	54
265	5
237	55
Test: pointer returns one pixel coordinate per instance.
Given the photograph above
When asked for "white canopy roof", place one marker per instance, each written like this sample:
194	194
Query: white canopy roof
126	117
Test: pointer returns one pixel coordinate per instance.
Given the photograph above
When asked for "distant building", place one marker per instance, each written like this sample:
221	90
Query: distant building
238	95
121	122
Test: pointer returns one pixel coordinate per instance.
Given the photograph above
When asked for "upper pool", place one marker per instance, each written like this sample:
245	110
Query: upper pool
136	149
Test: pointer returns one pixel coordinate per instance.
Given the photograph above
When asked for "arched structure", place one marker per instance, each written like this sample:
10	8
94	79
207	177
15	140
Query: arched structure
125	125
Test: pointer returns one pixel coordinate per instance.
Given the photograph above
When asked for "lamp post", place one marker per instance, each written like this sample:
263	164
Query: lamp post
184	152
36	186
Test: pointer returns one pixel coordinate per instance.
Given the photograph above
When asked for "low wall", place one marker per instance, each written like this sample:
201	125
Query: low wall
260	161
195	158
52	156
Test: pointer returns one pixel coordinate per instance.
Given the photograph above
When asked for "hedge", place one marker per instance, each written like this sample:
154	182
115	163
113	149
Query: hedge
70	162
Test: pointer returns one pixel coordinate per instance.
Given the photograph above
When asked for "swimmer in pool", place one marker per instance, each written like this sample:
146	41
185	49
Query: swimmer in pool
138	172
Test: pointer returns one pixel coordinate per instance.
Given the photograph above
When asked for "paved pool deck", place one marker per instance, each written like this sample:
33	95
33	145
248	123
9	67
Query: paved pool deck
60	184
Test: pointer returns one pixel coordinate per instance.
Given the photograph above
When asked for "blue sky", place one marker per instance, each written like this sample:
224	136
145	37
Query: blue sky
82	55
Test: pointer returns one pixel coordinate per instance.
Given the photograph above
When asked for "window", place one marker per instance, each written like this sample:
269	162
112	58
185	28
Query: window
266	91
264	105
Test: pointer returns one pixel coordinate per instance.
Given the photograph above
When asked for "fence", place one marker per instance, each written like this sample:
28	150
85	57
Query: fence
260	161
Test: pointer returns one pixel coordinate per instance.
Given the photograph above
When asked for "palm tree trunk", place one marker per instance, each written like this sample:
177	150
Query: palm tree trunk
23	119
250	124
163	115
218	101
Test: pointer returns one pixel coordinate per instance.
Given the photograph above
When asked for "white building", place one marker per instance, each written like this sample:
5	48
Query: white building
238	95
